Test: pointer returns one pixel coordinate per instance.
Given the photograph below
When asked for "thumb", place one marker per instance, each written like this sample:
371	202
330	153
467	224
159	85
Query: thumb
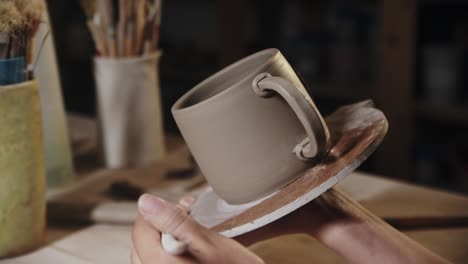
168	218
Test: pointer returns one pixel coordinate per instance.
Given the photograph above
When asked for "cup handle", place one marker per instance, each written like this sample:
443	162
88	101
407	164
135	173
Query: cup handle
317	140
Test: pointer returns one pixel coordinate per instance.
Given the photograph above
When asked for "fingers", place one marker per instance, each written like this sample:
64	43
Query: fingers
186	202
164	216
204	245
147	246
146	240
135	259
308	219
169	243
168	218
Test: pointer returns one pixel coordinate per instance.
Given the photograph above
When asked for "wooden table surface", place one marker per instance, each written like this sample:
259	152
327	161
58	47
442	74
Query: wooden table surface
379	195
434	218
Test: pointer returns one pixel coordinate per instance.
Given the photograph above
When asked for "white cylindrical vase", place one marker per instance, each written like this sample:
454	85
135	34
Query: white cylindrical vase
130	111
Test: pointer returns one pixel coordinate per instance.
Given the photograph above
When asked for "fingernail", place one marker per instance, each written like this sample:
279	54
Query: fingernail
150	205
187	201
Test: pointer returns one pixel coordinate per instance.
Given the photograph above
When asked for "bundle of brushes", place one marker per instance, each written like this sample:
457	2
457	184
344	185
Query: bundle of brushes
19	21
124	28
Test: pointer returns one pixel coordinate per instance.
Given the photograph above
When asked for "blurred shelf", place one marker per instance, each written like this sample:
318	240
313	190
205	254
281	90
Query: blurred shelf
454	114
186	76
444	2
342	91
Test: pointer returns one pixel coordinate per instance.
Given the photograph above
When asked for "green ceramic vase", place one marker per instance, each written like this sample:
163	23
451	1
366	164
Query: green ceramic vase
22	172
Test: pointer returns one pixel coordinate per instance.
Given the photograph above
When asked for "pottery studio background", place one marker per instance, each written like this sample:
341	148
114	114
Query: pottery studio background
411	57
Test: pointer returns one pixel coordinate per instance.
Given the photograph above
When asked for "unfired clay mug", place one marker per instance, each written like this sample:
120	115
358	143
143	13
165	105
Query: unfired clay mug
252	127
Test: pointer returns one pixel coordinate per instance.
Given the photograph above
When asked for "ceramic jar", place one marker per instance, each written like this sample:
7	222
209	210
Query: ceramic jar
22	172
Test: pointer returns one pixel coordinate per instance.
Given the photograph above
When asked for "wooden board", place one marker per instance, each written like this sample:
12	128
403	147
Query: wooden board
89	245
97	244
300	248
356	132
93	198
405	205
376	193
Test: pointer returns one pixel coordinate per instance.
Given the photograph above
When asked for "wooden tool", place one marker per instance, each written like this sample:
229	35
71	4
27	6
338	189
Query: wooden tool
133	32
106	13
97	36
366	238
121	27
157	23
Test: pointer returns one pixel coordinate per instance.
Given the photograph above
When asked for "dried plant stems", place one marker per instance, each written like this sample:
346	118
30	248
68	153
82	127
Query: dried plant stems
10	18
19	22
10	24
31	12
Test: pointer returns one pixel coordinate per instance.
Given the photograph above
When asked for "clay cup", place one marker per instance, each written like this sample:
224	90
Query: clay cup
252	127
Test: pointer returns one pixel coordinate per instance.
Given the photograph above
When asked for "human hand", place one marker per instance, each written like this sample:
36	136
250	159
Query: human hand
157	216
340	223
308	219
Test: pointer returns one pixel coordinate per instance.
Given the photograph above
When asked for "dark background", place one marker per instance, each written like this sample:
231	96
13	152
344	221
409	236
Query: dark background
408	56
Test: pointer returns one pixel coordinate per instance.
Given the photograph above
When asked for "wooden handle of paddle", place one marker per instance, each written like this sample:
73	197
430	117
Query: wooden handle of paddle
360	236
